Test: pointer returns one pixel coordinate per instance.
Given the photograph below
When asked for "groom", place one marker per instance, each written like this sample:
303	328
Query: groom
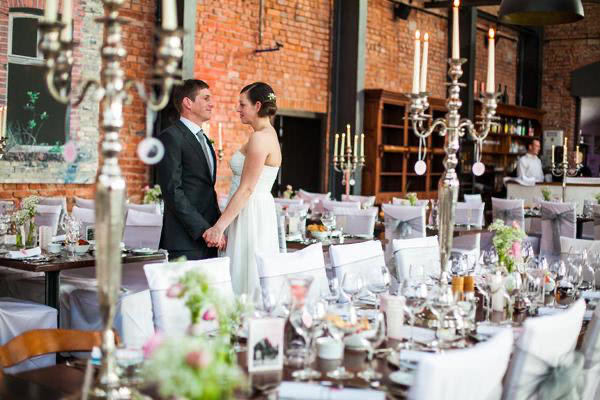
187	175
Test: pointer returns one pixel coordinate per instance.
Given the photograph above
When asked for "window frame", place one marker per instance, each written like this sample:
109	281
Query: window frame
18	59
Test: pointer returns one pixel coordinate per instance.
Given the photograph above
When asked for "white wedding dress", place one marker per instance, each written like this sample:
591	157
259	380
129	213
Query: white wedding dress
254	229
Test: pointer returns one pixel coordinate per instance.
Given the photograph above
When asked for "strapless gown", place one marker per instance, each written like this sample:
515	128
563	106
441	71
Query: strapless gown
254	229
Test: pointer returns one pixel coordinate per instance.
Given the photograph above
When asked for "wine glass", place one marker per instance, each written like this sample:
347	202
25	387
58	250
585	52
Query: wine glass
373	337
71	227
328	220
352	284
4	225
415	295
469	212
308	320
378	282
342	321
330	291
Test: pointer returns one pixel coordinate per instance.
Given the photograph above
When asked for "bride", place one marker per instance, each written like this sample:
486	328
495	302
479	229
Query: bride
250	216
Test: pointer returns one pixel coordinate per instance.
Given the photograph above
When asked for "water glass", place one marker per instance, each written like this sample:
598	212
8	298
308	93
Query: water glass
378	282
352	284
329	221
342	321
373	337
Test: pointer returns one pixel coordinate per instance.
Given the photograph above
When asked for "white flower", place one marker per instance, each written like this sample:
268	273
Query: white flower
271	97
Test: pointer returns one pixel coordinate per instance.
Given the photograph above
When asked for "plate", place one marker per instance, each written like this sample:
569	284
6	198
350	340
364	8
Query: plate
394	359
402	378
144	250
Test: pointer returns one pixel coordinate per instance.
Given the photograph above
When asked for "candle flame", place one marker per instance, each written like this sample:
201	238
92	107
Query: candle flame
426	37
417	35
491	33
456	3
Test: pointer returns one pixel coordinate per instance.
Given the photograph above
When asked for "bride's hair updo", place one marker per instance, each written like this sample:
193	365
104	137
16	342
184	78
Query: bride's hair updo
263	93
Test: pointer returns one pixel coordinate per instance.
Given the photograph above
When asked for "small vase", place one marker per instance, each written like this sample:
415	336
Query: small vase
20	234
31	235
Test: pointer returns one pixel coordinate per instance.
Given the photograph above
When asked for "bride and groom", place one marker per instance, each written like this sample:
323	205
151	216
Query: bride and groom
193	225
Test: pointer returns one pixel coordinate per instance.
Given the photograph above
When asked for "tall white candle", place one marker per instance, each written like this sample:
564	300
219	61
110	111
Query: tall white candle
169	15
424	63
455	38
67	18
417	61
220	136
356	144
343	142
51	10
2	119
490	85
565	151
362	144
553	155
335	145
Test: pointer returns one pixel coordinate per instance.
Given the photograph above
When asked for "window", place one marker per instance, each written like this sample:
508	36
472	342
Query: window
34	118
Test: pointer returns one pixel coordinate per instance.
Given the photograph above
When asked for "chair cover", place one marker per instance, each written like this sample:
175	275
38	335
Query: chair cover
476	213
56	201
86	216
396	201
6	205
566	244
403	222
273	269
289	202
315	199
48	216
468	245
591	351
85	203
547	343
329	205
171	316
473	198
365	201
356	222
142	230
587	231
147	208
479	376
596	213
509	211
19	316
356	257
558	219
420	251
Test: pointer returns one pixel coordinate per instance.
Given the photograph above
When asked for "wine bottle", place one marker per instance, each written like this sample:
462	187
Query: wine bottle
505	95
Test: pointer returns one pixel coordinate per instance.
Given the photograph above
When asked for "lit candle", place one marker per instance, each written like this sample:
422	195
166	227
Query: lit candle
455	40
362	145
424	63
565	151
67	18
577	154
335	145
417	61
220	137
51	10
356	144
491	62
343	142
2	119
553	155
169	15
348	133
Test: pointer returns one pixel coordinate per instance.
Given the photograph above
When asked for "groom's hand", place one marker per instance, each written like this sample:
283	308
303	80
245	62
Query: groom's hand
223	243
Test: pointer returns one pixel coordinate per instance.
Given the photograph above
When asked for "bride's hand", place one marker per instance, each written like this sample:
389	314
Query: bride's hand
213	236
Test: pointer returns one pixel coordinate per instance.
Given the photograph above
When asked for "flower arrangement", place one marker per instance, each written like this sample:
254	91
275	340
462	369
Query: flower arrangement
289	192
412	198
546	194
507	241
25	216
152	195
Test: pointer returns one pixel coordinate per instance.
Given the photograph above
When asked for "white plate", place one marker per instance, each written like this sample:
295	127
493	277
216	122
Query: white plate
144	250
402	378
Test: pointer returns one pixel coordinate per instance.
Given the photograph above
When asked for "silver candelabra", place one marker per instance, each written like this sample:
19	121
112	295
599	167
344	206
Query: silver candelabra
452	126
112	89
563	169
347	164
2	146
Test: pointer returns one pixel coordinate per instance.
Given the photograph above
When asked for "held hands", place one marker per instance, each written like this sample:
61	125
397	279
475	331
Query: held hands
214	237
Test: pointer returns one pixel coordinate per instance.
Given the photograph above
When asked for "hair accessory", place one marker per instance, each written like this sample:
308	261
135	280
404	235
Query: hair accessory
271	97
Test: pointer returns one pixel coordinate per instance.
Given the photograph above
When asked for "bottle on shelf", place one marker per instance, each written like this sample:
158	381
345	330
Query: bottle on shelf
505	95
530	130
481	88
499	88
506	126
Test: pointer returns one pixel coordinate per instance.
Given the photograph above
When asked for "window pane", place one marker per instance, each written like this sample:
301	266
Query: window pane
34	117
24	36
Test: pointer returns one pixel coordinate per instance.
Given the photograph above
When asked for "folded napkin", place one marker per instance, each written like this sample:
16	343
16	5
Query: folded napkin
591	294
23	253
309	391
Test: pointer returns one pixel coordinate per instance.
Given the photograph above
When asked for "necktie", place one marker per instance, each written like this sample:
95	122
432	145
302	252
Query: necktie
203	139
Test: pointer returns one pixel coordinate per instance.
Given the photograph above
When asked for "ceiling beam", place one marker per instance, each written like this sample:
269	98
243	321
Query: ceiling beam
463	3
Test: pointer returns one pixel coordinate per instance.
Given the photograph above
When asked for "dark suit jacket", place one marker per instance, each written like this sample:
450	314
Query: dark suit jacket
188	191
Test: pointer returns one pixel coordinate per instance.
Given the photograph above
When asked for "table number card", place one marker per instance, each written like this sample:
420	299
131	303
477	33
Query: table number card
265	344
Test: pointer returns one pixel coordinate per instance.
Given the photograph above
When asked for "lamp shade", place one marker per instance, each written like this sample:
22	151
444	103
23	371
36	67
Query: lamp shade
541	12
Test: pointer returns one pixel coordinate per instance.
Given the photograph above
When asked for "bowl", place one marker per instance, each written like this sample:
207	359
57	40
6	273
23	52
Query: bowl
81	248
319	235
54	248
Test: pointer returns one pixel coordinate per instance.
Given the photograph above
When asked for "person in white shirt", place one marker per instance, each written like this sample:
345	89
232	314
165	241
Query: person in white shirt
530	166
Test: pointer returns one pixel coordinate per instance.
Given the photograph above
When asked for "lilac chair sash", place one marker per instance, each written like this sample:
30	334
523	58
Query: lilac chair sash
557	220
404	229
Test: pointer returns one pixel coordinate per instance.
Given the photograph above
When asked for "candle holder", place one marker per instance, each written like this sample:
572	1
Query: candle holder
452	127
563	169
2	146
347	165
112	90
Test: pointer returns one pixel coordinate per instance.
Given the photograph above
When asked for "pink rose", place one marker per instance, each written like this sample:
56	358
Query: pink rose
516	225
152	344
175	291
516	249
146	188
209	315
198	359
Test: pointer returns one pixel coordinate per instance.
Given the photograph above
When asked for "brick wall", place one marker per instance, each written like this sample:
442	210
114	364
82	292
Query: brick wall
566	48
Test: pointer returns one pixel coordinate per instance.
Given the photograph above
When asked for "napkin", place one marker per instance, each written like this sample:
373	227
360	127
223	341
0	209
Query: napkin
36	251
553	310
591	294
308	391
411	355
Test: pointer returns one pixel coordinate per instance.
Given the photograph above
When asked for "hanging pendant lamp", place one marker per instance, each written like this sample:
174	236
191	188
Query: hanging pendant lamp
541	12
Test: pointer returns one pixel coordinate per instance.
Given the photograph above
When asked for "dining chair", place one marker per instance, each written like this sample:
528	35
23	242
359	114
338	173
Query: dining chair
509	211
85	203
56	201
314	199
473	198
365	201
48	216
469	213
558	219
142	229
418	251
146	208
356	222
402	222
397	201
329	205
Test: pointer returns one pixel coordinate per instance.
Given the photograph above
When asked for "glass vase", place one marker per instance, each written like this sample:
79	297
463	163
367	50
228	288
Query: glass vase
31	240
20	233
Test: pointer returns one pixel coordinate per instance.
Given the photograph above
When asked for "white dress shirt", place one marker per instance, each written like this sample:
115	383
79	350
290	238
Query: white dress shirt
530	167
195	130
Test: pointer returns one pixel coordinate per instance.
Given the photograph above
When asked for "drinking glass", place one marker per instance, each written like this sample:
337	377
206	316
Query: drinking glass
330	291
328	220
342	321
352	284
483	286
415	295
71	227
467	309
373	337
378	282
469	212
308	320
4	225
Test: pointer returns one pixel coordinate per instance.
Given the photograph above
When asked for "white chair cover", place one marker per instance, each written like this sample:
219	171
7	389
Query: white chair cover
403	222
292	208
596	213
289	202
275	268
509	211
86	216
591	351
420	251
315	199
566	244
473	198
476	213
397	201
365	201
356	222
170	315
587	230
85	203
479	376
19	316
331	204
356	257
142	230
147	208
468	245
545	343
48	216
558	219
6	204
55	201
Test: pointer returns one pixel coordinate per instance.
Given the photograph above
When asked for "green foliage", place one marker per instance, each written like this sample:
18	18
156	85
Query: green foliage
504	238
546	194
152	195
26	133
412	198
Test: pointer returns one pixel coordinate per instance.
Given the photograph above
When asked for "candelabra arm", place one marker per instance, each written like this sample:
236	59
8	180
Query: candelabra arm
439	124
90	84
60	95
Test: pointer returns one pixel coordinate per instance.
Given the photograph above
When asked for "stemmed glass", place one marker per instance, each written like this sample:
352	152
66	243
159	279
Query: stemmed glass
434	213
4	225
469	212
342	321
484	288
373	337
352	284
328	220
308	320
415	294
330	291
378	282
71	227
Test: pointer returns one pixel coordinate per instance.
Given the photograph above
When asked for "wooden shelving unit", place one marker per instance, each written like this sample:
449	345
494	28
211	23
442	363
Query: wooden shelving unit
391	148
